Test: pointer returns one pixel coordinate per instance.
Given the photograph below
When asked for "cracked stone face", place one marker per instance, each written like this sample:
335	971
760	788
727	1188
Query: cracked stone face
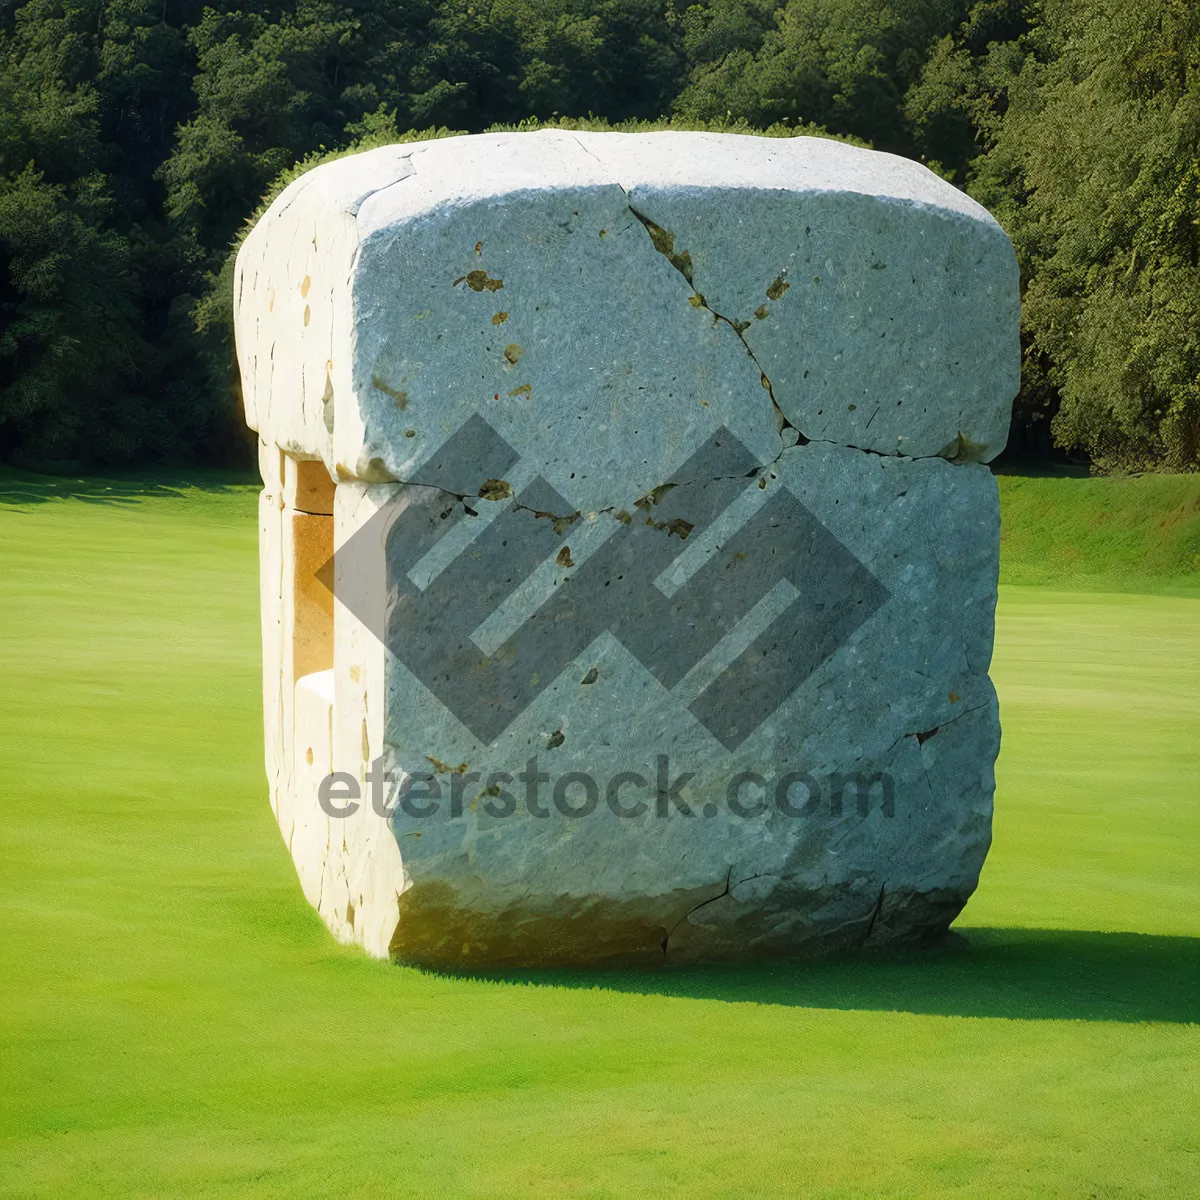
666	561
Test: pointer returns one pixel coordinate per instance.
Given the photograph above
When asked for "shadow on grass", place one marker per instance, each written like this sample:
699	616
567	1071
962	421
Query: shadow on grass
26	488
1037	469
1022	974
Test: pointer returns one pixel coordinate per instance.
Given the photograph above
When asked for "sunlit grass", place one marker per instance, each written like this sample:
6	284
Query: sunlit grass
176	1021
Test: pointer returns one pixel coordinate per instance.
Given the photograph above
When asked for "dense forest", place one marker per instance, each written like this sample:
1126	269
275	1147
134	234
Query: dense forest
138	136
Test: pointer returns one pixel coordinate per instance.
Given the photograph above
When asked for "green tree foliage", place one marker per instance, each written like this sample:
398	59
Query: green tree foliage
276	82
1095	171
93	291
137	139
844	64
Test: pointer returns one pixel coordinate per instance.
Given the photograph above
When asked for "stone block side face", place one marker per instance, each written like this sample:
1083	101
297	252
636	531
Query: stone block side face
874	310
906	695
553	370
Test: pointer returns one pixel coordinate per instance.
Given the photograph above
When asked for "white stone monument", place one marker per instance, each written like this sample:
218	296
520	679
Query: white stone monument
665	556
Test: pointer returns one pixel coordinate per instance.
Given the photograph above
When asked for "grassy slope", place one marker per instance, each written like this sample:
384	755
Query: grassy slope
1139	534
175	1020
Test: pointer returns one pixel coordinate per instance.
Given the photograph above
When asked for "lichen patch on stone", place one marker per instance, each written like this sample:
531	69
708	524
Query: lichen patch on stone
777	287
479	281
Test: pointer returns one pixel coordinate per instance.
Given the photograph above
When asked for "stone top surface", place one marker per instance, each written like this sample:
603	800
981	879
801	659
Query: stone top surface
455	170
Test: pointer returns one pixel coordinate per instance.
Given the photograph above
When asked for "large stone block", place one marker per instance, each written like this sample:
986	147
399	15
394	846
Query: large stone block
665	559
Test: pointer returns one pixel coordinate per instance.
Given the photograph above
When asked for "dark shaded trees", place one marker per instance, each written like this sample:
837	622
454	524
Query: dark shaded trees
136	139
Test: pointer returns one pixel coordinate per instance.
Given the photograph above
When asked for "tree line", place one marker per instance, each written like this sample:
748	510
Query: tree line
138	136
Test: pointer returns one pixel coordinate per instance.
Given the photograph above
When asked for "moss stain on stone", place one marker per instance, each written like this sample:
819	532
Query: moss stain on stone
962	450
664	242
400	398
444	768
496	489
372	470
327	397
478	281
559	524
777	287
677	526
652	497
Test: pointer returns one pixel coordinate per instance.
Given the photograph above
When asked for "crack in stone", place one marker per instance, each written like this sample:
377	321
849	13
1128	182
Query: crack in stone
696	908
591	155
562	522
875	913
868	450
357	205
923	737
756	875
664	243
758	472
926	736
958	453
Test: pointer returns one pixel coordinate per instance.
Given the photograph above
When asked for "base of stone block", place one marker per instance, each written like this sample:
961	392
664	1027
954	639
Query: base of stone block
435	931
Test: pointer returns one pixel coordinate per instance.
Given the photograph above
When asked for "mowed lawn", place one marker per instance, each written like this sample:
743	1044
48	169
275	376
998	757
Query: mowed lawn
175	1021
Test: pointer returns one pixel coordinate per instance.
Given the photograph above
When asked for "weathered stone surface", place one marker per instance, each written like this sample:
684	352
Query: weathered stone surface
657	457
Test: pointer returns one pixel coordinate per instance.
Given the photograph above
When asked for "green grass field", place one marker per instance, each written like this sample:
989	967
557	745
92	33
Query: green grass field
177	1022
